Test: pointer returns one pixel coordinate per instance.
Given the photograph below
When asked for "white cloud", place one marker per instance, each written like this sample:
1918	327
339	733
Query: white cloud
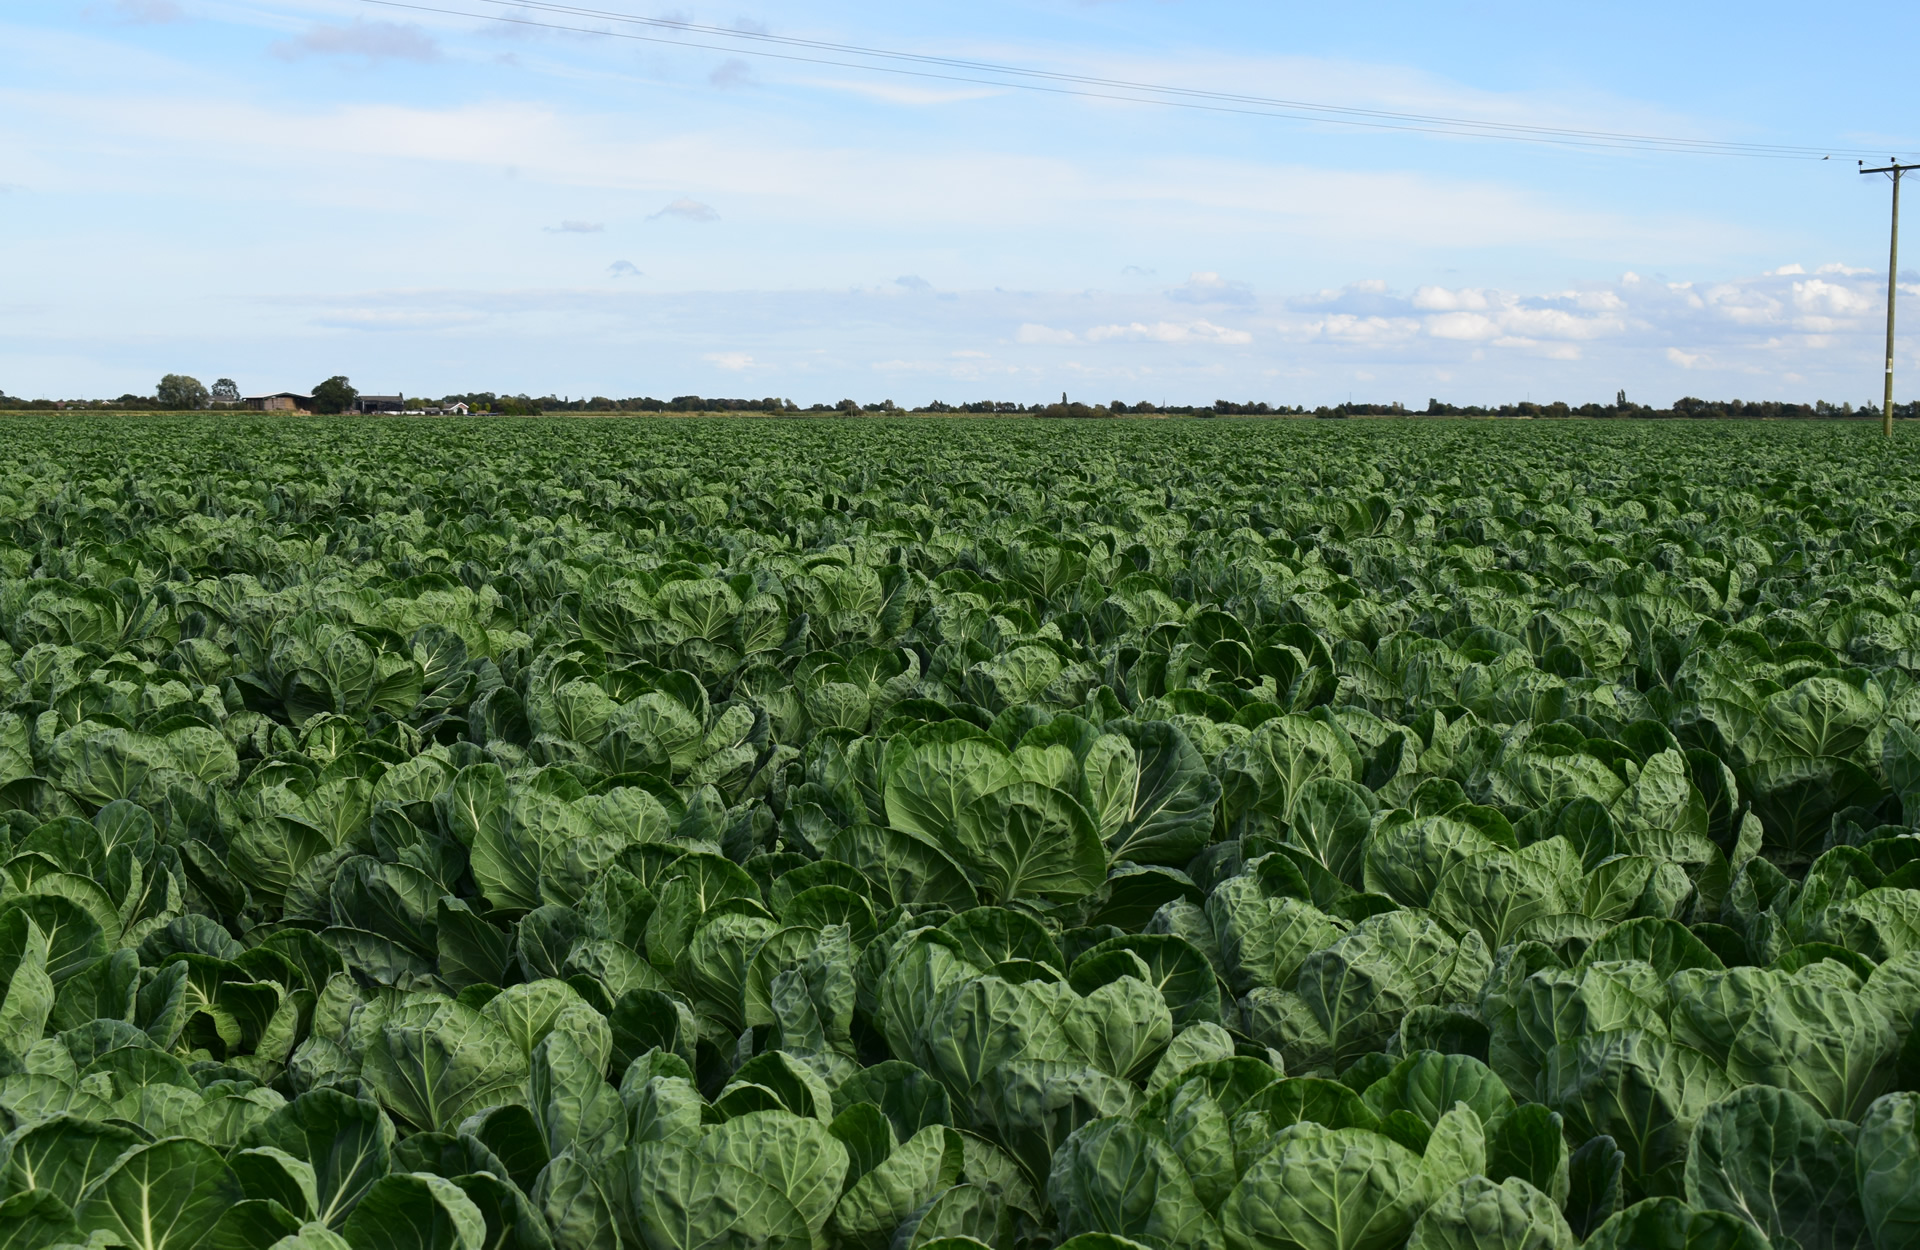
1475	315
913	282
1819	297
1369	297
1211	288
1465	326
576	227
1742	304
624	269
1170	332
1784	271
1133	342
1032	333
1535	347
1351	328
1440	299
374	41
1557	323
687	210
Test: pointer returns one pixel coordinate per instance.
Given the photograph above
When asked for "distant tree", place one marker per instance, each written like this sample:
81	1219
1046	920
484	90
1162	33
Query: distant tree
225	392
177	390
847	405
335	394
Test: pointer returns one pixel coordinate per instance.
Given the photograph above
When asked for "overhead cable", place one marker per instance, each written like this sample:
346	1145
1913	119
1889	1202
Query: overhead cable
764	44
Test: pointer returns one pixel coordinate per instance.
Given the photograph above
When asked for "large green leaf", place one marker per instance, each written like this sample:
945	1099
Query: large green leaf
1828	1043
1158	795
684	1201
255	1224
1121	1027
1428	1084
164	1196
584	1205
513	1223
1028	842
798	1155
1360	985
1887	1154
903	865
63	1156
28	998
913	1174
908	1098
1527	1143
1767	1156
1643	1092
927	792
1478	1214
1594	1184
346	1140
415	1212
36	1219
434	1064
1175	967
571	1101
270	1174
1113	1176
1670	1224
1321	1188
986	1022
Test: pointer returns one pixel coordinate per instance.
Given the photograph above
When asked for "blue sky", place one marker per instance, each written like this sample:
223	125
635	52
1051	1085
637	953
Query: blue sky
280	190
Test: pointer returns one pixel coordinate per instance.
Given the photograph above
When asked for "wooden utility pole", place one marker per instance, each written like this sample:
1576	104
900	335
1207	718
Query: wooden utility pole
1893	169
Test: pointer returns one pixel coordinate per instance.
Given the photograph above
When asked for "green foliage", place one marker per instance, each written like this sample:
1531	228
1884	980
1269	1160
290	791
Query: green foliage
931	838
177	390
333	395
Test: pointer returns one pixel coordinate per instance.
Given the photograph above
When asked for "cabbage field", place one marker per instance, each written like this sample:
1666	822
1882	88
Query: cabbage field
937	835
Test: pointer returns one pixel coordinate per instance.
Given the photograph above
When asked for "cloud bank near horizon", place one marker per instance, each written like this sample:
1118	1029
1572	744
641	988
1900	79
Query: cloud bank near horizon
1791	332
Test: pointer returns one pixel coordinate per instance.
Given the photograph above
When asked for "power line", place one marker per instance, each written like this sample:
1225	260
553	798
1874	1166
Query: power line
1129	85
1088	87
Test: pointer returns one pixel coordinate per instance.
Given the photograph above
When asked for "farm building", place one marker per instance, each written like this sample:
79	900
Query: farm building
379	403
280	401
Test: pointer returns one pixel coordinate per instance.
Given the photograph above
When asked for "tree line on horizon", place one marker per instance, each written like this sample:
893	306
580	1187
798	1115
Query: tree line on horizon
181	392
